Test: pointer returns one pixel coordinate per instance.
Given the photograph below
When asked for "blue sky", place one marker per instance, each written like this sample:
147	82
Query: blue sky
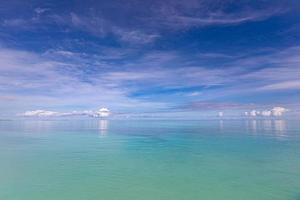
176	58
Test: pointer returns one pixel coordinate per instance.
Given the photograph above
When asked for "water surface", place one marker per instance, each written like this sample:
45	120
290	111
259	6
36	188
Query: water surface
151	159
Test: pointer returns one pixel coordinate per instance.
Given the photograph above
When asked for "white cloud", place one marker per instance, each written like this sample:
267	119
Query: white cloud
266	113
276	111
36	80
40	113
103	112
100	26
135	37
253	113
193	94
221	114
41	10
180	15
215	19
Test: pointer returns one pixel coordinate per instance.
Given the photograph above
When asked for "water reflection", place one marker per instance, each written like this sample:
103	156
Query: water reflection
275	127
221	125
280	127
35	128
267	125
103	127
254	126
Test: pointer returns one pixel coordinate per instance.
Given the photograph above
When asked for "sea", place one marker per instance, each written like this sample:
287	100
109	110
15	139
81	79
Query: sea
148	159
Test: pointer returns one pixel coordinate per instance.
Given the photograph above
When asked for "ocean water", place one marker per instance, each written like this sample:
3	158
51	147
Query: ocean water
151	159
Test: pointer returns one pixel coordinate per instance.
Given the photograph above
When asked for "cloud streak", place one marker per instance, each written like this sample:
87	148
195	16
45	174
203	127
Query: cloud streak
149	56
37	82
285	85
275	111
103	112
148	19
59	78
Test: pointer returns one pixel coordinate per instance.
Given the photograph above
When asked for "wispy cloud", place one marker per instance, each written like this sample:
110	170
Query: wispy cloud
202	13
148	56
148	20
36	82
286	85
218	17
60	79
212	105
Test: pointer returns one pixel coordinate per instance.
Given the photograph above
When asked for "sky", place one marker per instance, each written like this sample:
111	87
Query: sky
168	58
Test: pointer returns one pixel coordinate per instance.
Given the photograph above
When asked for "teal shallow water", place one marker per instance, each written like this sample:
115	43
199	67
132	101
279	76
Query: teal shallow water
146	160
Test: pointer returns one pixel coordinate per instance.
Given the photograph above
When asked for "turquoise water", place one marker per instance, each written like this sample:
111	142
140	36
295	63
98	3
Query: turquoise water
143	160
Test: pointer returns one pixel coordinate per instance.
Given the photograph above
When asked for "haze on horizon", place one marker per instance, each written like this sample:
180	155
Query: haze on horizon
175	58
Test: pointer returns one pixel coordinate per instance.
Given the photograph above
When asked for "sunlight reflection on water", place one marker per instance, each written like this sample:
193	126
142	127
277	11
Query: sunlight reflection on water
276	127
103	127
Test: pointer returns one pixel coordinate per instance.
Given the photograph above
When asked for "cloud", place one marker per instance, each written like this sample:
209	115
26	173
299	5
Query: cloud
103	112
36	80
33	21
40	113
266	113
275	111
60	77
220	114
253	113
193	94
148	19
249	74
217	18
211	105
102	27
168	78
15	23
285	85
135	36
167	16
39	10
278	111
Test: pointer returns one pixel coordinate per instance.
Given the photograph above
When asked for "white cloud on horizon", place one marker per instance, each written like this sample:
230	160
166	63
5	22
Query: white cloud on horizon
40	113
253	113
278	111
103	112
266	113
275	111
